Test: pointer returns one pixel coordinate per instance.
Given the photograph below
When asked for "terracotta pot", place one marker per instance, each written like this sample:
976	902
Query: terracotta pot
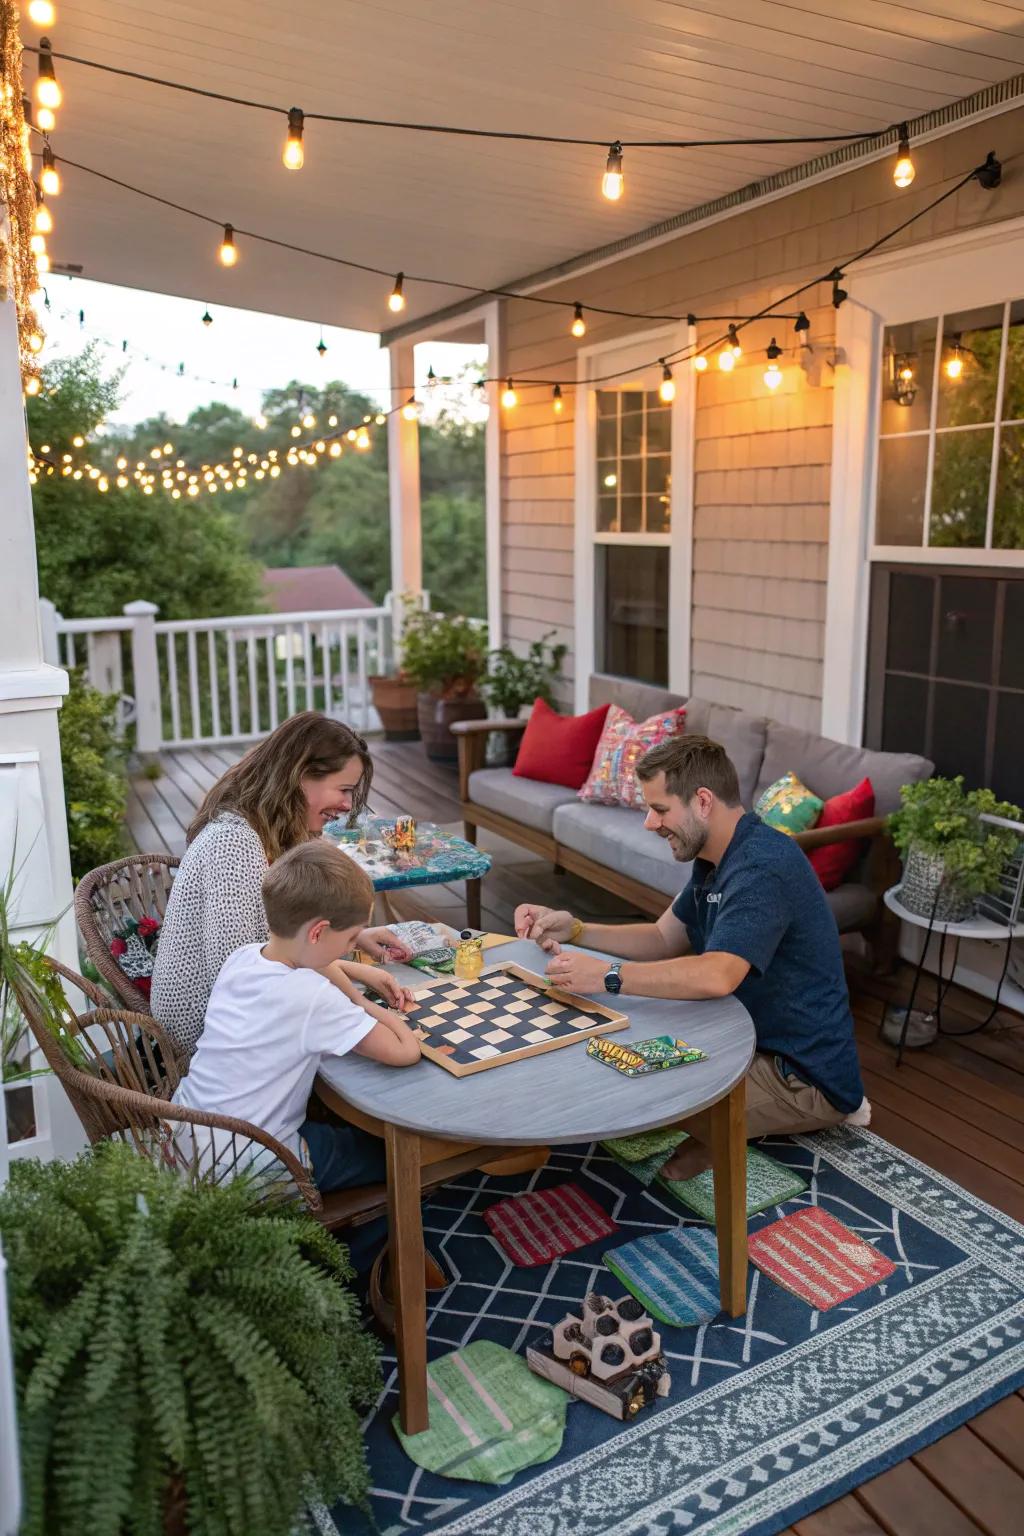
395	702
437	715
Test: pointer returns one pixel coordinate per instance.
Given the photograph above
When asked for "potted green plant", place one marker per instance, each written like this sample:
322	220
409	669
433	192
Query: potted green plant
182	1360
951	857
445	655
394	693
513	681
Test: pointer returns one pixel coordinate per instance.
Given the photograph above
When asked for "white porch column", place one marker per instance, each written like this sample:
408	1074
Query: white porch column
31	783
404	477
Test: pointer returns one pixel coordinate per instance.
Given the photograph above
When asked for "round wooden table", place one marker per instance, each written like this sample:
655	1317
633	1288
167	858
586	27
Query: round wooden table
436	1126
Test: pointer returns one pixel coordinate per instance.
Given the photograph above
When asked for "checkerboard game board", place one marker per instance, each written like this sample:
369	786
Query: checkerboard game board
503	1016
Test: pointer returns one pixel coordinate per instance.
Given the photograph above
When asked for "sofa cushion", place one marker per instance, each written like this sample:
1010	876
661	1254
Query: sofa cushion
524	800
742	736
559	749
831	767
615	837
640	699
788	805
852	905
624	741
834	862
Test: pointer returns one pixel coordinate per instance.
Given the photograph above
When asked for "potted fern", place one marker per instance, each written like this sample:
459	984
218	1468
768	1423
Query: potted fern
951	857
183	1361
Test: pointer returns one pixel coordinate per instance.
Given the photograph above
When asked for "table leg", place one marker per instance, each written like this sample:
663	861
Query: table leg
729	1153
408	1288
473	903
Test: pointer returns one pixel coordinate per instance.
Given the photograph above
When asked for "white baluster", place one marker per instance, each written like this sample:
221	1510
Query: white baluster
193	683
254	695
172	687
211	651
364	687
268	646
289	671
236	726
325	658
343	642
307	651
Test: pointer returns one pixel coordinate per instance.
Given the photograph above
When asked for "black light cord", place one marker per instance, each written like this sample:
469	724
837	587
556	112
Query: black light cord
515	136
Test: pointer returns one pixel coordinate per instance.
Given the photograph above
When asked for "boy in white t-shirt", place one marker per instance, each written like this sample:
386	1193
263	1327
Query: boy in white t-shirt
278	1010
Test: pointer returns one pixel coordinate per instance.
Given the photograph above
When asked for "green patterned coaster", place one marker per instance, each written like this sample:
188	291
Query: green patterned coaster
646	1170
768	1183
637	1149
490	1416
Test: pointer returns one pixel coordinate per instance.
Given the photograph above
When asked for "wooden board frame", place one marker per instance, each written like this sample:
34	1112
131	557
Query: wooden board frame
606	1019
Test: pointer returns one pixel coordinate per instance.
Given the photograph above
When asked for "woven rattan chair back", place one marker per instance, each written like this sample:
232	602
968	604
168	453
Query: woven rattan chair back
105	898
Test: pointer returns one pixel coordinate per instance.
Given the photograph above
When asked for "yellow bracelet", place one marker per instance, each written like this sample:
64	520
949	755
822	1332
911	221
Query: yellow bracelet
575	931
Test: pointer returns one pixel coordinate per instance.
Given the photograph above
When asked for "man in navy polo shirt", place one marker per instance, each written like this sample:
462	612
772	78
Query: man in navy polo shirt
753	921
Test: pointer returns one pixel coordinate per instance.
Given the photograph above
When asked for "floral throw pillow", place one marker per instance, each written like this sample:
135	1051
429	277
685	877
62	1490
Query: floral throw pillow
612	779
134	949
789	806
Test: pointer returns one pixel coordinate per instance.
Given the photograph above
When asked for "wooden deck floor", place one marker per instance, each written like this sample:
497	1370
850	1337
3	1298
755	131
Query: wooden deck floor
959	1107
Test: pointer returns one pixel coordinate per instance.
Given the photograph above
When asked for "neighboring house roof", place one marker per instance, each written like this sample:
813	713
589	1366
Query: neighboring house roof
308	588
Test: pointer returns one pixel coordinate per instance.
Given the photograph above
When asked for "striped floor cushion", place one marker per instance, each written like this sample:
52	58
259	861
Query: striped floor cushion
673	1274
768	1183
813	1255
490	1416
546	1223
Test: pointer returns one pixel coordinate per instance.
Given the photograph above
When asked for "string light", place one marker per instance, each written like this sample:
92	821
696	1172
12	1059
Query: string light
46	120
557	403
396	301
294	155
362	439
613	181
734	342
410	410
32	385
207	318
839	295
49	179
309	420
42	13
37	244
44	218
579	325
700	363
773	373
903	172
42	263
509	398
321	346
667	387
228	252
48	92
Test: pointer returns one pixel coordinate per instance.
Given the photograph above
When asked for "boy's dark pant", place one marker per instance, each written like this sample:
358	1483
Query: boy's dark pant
343	1156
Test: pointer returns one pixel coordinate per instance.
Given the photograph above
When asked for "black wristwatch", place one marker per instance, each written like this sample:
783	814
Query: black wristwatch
613	978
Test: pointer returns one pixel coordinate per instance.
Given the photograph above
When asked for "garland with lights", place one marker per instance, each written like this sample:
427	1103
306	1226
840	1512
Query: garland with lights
17	259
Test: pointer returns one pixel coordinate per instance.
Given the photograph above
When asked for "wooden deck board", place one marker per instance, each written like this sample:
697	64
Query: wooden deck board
958	1106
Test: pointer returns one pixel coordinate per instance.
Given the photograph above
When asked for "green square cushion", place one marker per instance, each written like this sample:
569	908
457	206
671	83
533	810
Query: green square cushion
789	806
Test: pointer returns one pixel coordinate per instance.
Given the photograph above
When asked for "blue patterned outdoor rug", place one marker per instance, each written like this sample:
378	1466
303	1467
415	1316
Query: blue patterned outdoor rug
771	1415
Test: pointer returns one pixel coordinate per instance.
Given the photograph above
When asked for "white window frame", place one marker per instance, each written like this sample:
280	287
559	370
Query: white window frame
970	270
631	357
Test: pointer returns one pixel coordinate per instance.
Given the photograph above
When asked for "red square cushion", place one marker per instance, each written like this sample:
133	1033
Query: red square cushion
559	749
834	863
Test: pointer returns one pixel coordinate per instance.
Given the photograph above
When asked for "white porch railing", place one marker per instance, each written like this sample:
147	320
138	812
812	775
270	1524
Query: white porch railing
207	682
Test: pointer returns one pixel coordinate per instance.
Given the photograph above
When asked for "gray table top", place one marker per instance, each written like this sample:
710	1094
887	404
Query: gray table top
562	1095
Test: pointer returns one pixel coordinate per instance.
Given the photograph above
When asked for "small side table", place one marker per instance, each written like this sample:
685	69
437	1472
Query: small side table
970	928
437	858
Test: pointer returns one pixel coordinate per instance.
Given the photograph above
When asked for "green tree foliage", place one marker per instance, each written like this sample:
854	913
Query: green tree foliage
170	1335
95	788
97	552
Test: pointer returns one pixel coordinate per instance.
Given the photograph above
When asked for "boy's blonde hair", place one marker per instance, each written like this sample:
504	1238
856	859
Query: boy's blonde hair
315	880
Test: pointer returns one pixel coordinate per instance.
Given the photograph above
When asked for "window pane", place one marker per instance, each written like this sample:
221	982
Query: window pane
632	434
607	402
959	728
960	480
607	436
607	514
909	642
969	371
632	630
1013	388
607	476
966	623
1008	522
902	466
632	477
631	514
658	514
659	430
908	364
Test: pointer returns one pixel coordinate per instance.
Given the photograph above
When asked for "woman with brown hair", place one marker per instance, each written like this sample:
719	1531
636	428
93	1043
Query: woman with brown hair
281	793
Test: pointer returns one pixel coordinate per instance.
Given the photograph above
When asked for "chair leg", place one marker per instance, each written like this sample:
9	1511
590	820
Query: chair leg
405	1241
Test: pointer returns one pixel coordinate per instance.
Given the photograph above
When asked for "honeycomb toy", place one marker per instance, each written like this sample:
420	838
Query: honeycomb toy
610	1356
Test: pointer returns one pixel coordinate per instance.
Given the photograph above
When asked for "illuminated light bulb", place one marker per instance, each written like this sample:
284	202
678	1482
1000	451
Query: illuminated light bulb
296	431
903	172
32	385
613	181
155	453
228	252
557	403
734	342
66	470
37	244
49	178
45	448
193	490
509	398
35	342
351	434
309	420
48	92
700	363
368	419
320	445
362	439
46	121
396	299
78	441
77	475
33	478
66	458
294	155
292	458
726	360
410	410
175	494
42	262
275	470
180	475
955	363
212	487
94	474
611	481
43	13
272	454
43	220
261	421
667	387
260	473
773	373
251	458
236	452
229	485
121	482
103	484
579	325
168	447
380	419
332	421
335	450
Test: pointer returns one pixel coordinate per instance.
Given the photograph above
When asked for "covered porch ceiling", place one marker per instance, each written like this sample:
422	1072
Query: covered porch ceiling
480	211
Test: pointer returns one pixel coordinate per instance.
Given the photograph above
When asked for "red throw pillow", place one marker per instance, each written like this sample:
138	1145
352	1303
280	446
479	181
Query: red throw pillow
559	749
833	863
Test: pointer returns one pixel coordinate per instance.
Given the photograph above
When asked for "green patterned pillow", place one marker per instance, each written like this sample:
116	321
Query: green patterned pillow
789	806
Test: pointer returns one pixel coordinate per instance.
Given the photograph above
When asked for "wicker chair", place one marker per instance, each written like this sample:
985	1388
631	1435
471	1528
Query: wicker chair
119	1071
137	887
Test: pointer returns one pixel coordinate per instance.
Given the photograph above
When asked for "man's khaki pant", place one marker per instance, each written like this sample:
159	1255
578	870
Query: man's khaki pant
784	1105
